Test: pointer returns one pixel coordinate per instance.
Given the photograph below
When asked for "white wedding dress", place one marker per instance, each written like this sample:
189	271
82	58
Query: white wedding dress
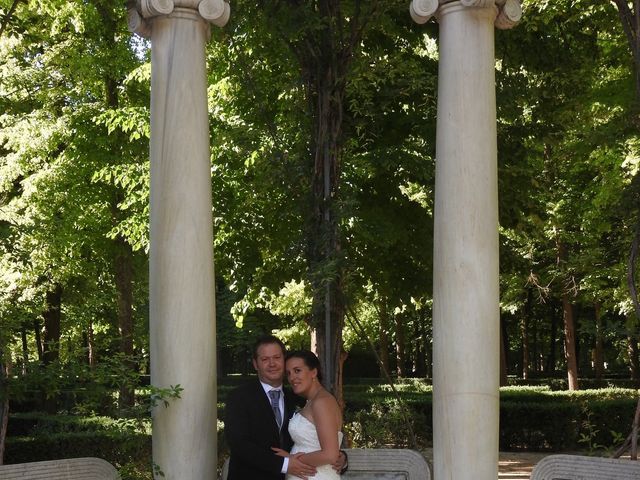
305	439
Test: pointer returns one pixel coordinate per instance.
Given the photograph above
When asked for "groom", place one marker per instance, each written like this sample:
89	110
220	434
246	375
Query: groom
255	422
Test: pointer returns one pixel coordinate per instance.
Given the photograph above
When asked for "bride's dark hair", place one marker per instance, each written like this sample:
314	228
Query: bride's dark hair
309	358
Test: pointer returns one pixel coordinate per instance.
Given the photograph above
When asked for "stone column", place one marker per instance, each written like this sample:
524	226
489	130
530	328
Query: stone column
465	289
181	274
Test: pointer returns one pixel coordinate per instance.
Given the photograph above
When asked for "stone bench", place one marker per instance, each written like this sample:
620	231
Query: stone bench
380	464
386	464
67	469
577	467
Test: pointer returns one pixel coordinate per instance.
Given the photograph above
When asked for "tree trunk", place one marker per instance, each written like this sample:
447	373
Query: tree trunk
524	331
325	55
384	338
569	344
632	352
51	344
25	349
4	421
91	348
401	347
123	259
4	404
428	349
420	339
504	379
124	288
38	337
51	317
553	336
569	326
526	318
598	357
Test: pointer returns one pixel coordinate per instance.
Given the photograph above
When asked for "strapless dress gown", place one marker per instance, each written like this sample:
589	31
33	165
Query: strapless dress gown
305	439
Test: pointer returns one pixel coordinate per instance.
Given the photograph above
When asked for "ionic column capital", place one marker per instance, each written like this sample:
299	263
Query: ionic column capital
508	12
141	12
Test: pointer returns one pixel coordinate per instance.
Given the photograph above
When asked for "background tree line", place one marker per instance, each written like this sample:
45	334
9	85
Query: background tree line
322	117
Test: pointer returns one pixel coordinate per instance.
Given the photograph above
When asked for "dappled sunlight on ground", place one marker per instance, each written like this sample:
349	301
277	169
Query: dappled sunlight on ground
512	465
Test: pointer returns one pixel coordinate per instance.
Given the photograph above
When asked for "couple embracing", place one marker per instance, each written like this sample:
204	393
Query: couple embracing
273	432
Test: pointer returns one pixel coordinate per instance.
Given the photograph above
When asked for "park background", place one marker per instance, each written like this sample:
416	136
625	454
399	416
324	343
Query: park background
74	173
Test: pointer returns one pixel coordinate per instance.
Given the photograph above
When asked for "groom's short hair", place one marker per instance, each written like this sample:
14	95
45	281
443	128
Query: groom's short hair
267	340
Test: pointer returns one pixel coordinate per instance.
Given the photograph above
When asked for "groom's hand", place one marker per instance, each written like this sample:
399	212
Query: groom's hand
341	464
300	469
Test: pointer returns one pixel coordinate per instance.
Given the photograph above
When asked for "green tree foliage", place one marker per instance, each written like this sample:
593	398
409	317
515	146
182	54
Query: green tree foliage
73	180
74	94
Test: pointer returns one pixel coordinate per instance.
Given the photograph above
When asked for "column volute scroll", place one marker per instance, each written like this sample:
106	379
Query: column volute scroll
508	12
141	12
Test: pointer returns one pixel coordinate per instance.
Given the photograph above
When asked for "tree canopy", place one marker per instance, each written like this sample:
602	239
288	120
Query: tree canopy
74	129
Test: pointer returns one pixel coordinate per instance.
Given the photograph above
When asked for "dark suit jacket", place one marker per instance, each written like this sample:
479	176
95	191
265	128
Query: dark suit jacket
251	430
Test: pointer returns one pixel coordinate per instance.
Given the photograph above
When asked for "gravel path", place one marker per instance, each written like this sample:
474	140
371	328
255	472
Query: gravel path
517	465
512	465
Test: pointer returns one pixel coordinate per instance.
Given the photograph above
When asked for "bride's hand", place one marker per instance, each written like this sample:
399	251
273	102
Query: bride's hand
280	452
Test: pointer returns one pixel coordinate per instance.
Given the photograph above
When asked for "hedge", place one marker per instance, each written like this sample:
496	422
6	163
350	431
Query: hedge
531	418
116	448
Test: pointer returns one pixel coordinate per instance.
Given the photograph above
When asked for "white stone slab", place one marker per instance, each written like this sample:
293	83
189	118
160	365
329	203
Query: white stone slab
577	467
67	469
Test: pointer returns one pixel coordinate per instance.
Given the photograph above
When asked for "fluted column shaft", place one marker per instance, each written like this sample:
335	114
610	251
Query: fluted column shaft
181	281
466	321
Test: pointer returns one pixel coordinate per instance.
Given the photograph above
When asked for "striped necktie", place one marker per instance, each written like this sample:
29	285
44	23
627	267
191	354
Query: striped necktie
274	395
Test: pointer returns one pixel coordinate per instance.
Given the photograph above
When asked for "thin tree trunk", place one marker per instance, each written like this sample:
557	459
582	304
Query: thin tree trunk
4	419
124	288
4	404
524	331
91	348
401	347
25	349
38	337
428	349
420	335
526	355
632	352
535	362
569	344
504	379
553	335
51	344
569	326
52	317
384	338
598	358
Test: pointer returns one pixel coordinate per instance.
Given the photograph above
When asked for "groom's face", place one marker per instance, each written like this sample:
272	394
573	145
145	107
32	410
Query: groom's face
270	364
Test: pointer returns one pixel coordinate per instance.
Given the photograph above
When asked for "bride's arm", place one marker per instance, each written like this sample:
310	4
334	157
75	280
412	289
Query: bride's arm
325	412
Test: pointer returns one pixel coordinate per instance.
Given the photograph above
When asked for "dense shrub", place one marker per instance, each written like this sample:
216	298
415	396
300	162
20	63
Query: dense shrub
118	448
531	418
551	425
387	424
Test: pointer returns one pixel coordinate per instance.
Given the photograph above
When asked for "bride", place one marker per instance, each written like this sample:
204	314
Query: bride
315	429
